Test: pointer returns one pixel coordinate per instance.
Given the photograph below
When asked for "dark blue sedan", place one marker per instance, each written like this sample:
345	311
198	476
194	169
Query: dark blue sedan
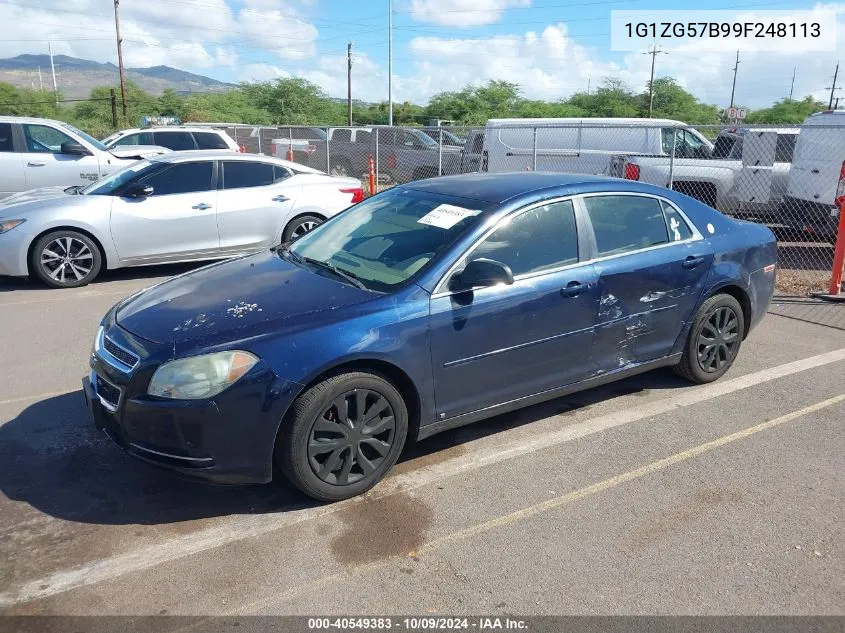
426	307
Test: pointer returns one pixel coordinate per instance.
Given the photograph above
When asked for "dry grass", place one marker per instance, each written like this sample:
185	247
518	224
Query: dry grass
800	282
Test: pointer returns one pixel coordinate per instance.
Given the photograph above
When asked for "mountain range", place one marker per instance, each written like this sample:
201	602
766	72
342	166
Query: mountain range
76	77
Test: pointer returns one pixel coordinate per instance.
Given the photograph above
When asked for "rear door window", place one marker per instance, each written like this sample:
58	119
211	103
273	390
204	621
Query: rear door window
175	140
6	144
209	140
624	223
238	174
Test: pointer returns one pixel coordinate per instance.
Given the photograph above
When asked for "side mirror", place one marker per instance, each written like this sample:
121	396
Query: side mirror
74	149
138	191
482	272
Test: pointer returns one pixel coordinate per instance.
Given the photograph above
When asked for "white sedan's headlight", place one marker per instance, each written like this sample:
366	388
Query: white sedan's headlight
8	225
200	376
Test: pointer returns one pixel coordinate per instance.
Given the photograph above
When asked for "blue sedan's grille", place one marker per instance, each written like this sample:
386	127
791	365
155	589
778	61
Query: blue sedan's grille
124	356
107	391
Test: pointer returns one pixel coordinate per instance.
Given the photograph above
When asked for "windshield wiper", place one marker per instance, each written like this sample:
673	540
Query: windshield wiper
347	276
75	189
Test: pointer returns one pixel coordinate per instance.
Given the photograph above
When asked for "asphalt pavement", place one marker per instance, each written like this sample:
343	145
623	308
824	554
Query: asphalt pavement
642	497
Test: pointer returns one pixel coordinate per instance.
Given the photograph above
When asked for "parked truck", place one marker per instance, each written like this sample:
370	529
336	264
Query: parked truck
745	173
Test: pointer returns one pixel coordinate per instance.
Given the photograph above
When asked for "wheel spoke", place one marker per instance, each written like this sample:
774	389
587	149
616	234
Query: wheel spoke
52	255
75	271
331	464
343	475
380	427
323	425
68	245
360	406
382	448
730	338
710	329
55	273
323	446
366	465
376	410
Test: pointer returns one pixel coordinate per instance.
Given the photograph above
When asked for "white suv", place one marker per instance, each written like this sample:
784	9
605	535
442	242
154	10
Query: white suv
38	153
176	138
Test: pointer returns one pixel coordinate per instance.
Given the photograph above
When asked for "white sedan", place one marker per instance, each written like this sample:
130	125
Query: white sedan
179	207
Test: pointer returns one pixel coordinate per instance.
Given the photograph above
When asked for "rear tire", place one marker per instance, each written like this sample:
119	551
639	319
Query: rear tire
298	227
342	436
65	259
713	341
341	167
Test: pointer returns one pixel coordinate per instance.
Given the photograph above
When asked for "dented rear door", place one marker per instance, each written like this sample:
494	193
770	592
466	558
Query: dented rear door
646	293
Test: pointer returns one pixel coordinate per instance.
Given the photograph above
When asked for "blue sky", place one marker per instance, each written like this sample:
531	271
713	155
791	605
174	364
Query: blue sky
552	48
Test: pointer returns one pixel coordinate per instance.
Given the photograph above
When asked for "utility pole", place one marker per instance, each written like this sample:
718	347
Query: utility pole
733	89
836	105
653	51
792	87
833	87
40	80
390	62
349	83
53	68
120	60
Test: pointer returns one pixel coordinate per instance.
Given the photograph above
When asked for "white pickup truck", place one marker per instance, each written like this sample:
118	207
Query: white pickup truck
746	174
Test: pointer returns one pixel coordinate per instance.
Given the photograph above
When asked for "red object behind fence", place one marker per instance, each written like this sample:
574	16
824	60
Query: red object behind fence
839	251
372	173
290	152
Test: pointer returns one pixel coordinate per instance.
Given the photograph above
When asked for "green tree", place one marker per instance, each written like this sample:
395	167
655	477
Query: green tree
612	99
294	101
474	105
786	111
25	102
671	101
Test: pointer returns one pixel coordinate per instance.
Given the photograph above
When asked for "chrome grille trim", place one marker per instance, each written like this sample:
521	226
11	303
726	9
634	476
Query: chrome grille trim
110	359
109	405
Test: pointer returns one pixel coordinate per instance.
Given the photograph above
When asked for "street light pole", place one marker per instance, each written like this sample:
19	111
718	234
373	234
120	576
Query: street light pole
390	62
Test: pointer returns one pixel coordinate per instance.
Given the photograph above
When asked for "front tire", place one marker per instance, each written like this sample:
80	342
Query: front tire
65	259
342	436
714	340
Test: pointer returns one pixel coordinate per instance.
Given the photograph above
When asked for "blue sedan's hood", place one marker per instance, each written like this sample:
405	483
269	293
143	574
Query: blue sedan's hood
235	300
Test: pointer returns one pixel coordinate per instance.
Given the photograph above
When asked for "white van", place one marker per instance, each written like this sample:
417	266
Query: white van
584	146
818	166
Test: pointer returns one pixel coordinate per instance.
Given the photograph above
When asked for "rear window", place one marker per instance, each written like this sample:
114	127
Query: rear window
210	140
238	174
6	138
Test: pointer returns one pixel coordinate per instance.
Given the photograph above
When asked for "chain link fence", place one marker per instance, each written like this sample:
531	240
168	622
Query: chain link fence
783	176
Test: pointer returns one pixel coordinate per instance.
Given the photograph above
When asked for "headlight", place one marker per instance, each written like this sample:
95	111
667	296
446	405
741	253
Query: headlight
8	225
98	339
200	376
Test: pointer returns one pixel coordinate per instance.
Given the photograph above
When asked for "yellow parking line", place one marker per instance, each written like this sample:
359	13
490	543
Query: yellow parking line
530	511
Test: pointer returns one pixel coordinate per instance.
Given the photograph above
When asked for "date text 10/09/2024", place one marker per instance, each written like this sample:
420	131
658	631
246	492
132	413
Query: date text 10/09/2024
418	624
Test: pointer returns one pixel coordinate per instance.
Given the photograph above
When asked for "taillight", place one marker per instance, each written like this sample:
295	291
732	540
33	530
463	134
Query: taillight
840	188
357	194
242	149
632	172
391	161
310	149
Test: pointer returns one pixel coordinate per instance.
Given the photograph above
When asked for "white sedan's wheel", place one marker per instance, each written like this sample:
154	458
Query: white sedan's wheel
65	259
300	226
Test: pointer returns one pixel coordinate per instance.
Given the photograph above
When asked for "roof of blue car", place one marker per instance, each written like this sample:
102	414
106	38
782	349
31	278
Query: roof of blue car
497	188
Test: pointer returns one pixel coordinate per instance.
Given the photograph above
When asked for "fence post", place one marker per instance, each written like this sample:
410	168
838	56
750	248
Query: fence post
672	158
440	152
534	152
113	99
328	143
377	180
260	130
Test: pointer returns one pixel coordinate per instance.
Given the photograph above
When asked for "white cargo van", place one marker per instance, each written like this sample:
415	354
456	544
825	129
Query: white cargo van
818	165
584	145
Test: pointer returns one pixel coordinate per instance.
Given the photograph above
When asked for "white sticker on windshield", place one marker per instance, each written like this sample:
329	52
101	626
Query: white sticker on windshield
446	216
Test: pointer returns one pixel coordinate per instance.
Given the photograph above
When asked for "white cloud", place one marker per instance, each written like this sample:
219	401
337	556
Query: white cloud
463	12
261	72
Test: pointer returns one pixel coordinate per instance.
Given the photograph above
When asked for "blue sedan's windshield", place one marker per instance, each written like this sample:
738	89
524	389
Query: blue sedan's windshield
116	180
387	239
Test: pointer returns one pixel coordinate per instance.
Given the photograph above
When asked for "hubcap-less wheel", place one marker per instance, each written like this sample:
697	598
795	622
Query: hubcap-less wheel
718	339
67	259
302	228
352	438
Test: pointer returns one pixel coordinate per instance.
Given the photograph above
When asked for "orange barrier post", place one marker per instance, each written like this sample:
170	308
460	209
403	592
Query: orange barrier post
372	172
838	253
290	151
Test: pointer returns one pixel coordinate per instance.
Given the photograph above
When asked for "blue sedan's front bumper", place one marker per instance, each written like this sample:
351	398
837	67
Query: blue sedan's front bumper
228	439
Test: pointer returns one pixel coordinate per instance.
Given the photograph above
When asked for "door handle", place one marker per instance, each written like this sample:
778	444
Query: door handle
36	163
692	261
281	198
573	289
202	206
